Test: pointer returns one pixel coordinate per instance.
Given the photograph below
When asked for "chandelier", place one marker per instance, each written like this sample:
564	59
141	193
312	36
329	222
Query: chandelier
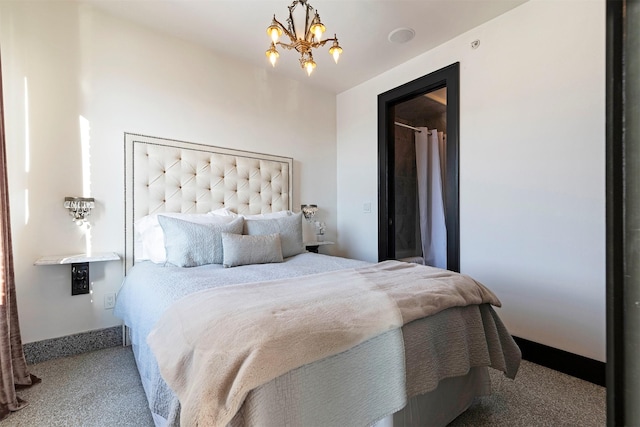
305	34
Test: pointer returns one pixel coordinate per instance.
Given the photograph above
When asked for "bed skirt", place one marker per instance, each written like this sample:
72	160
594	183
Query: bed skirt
442	405
364	385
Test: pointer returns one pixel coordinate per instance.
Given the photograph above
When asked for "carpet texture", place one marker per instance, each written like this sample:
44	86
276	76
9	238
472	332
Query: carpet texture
537	397
99	388
102	388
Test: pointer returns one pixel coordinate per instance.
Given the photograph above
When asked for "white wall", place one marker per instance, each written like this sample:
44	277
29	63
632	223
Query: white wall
532	152
532	166
62	62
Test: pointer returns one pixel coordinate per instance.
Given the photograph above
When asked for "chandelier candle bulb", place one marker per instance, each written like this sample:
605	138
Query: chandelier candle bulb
274	30
310	66
272	54
317	27
302	41
335	50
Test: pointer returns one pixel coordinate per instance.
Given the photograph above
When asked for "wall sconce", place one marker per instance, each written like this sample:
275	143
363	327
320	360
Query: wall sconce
309	211
79	208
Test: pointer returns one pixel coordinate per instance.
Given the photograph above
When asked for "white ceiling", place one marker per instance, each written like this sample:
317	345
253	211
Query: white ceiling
237	28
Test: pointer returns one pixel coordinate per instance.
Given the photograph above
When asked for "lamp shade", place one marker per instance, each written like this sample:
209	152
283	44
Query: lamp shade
309	211
335	50
274	31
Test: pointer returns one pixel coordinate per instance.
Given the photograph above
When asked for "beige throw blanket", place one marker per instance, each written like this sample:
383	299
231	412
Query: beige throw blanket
215	346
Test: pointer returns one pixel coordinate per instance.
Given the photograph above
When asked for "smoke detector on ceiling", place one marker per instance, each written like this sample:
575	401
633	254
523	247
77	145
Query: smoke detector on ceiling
401	35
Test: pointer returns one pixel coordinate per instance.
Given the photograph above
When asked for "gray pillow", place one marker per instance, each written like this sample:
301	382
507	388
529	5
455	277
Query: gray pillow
189	244
289	228
243	250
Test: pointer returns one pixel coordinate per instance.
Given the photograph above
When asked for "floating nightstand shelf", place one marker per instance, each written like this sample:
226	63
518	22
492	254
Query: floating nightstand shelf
314	246
75	259
79	267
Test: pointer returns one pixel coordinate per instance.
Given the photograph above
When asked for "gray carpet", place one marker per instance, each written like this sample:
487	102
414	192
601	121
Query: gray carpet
102	388
537	397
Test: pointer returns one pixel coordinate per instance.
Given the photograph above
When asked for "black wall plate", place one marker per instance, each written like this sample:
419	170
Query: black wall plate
80	278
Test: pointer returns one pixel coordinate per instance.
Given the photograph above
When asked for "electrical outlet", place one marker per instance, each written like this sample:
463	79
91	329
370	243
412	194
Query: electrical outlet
109	301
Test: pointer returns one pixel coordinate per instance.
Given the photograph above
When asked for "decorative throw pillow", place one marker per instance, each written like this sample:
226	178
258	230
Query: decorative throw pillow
289	228
243	250
149	237
189	244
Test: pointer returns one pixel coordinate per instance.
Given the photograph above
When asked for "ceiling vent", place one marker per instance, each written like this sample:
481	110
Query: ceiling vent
401	35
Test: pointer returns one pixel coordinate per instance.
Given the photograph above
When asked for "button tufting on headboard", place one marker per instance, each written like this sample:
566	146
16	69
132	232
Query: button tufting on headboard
172	176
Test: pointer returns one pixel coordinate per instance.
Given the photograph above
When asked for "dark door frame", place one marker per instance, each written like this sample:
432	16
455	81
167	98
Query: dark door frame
449	77
623	212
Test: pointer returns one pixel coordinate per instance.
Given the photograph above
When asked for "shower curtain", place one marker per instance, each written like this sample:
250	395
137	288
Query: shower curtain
430	173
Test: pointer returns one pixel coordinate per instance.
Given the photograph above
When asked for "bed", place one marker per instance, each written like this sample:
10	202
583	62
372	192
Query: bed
338	341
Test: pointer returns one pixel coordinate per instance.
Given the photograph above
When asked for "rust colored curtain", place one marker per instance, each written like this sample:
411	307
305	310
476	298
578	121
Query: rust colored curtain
13	367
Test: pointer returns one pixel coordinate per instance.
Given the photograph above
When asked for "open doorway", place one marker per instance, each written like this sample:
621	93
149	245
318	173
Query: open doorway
421	110
419	169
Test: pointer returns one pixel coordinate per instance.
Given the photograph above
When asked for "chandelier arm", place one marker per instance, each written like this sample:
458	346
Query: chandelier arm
286	46
292	23
290	20
308	36
285	30
323	42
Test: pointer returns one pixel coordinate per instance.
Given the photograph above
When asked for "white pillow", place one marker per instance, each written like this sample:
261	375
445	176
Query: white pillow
289	227
223	212
243	250
269	215
149	237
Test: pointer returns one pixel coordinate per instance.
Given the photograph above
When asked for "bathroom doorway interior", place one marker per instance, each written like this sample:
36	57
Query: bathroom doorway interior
418	164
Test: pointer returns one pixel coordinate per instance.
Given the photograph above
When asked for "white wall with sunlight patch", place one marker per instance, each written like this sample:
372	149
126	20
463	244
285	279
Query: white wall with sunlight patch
76	79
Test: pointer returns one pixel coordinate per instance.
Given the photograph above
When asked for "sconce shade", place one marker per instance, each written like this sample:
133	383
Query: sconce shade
309	211
79	208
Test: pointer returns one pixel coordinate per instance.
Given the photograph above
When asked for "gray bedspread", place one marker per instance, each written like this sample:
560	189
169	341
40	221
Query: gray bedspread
335	390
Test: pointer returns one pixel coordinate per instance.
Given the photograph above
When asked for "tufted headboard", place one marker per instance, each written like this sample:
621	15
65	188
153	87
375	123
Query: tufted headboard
164	175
